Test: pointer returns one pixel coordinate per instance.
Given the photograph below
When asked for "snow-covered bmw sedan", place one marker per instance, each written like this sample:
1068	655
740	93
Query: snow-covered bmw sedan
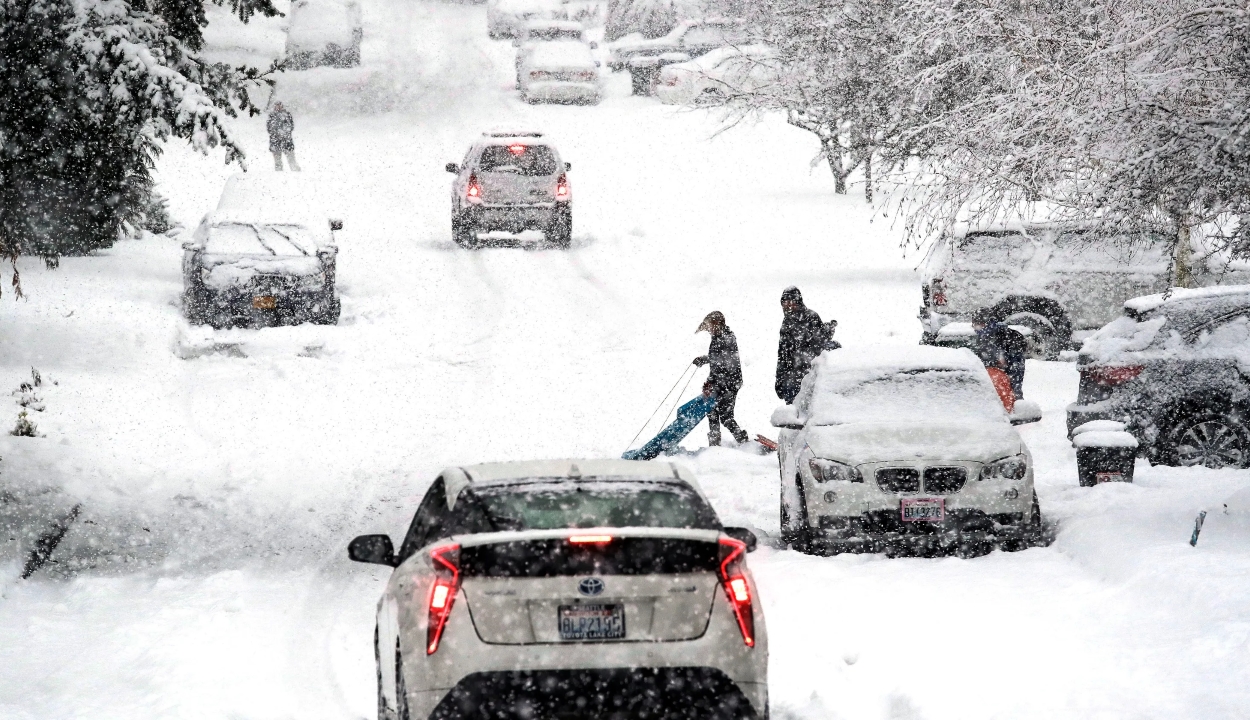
904	448
568	588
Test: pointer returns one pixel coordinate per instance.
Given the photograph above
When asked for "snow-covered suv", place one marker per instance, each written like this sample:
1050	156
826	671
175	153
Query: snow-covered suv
902	448
1176	371
568	588
511	182
261	258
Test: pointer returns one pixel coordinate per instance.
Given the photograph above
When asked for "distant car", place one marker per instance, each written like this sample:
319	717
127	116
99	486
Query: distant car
715	75
1051	278
506	18
536	32
573	588
563	71
511	182
902	449
323	32
260	263
644	57
1176	371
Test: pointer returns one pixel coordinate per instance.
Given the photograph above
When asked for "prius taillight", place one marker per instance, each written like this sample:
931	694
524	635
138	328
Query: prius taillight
445	559
737	589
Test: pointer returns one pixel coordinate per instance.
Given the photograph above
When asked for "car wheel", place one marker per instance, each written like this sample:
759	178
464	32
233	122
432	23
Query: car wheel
329	315
1211	439
560	233
401	687
464	234
1043	340
800	533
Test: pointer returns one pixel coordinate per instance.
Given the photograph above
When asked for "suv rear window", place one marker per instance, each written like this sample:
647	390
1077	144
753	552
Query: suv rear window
519	159
559	504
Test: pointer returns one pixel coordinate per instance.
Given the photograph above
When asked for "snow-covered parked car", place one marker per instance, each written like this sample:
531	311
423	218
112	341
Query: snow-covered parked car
715	75
568	588
323	32
690	37
259	260
902	449
506	18
563	71
1176	371
536	32
511	182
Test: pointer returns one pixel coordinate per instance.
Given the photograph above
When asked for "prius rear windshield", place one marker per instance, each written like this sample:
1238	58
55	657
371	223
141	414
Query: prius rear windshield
519	159
561	504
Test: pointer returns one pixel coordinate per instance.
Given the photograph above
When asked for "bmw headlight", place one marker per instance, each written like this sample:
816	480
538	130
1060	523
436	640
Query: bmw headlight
1008	468
833	471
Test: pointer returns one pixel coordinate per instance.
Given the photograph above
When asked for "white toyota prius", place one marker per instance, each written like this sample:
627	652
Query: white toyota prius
903	448
568	589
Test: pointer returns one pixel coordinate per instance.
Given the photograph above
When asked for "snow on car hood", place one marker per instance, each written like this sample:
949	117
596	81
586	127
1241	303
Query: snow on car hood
858	443
561	55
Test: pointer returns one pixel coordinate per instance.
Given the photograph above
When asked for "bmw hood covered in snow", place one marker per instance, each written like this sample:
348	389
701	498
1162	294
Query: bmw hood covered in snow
858	443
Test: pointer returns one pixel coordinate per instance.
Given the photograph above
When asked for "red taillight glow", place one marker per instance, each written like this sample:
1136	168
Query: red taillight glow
539	75
517	149
590	539
736	587
475	189
939	292
562	187
1111	375
442	593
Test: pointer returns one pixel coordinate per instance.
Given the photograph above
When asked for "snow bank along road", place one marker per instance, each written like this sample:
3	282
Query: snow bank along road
221	475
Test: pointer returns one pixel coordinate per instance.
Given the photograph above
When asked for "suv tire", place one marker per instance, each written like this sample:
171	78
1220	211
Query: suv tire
1208	437
560	232
462	232
1043	340
329	315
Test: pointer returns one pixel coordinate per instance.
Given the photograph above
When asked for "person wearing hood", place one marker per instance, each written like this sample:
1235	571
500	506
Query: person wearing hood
803	337
1002	347
724	379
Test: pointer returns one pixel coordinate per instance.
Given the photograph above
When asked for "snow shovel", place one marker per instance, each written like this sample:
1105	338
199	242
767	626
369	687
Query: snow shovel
688	416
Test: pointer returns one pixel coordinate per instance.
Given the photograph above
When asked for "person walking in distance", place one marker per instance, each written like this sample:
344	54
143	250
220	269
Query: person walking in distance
724	379
803	337
281	127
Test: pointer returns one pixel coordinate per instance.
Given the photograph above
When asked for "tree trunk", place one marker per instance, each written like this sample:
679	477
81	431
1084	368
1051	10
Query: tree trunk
868	178
1182	272
833	154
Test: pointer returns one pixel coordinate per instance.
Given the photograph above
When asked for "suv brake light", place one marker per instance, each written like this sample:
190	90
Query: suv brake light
442	593
562	187
939	292
1111	375
474	189
737	589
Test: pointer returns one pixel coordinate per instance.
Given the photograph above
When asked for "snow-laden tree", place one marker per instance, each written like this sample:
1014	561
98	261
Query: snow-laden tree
93	88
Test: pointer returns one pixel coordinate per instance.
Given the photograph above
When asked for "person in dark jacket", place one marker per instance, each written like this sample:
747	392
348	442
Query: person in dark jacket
1001	347
281	127
803	337
724	379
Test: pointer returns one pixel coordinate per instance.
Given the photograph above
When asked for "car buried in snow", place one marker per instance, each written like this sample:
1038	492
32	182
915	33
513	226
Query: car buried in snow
903	450
715	76
568	588
261	258
324	32
1175	369
644	57
561	71
536	32
511	182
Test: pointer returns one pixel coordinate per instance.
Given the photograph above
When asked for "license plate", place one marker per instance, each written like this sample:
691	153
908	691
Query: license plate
264	302
592	622
924	509
1103	477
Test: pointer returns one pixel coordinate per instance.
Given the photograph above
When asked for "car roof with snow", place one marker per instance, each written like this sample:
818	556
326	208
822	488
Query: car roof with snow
457	479
562	54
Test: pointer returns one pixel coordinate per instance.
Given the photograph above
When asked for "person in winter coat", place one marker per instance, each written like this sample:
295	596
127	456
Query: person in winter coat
281	126
1000	347
724	379
803	337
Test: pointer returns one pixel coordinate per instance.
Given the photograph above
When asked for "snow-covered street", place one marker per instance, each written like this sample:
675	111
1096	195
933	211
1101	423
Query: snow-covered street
221	474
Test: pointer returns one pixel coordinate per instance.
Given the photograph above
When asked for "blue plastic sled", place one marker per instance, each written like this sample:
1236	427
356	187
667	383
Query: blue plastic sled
688	416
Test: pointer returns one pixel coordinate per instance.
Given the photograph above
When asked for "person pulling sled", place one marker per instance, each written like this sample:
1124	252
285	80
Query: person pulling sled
724	378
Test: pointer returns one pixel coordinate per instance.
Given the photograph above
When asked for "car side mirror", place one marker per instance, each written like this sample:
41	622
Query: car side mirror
376	549
336	224
453	168
787	417
743	535
568	166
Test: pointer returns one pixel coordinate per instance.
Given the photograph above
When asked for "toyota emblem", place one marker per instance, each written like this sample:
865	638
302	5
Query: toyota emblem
590	586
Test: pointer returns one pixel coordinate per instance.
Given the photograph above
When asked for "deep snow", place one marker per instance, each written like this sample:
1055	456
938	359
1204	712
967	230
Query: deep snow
221	474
